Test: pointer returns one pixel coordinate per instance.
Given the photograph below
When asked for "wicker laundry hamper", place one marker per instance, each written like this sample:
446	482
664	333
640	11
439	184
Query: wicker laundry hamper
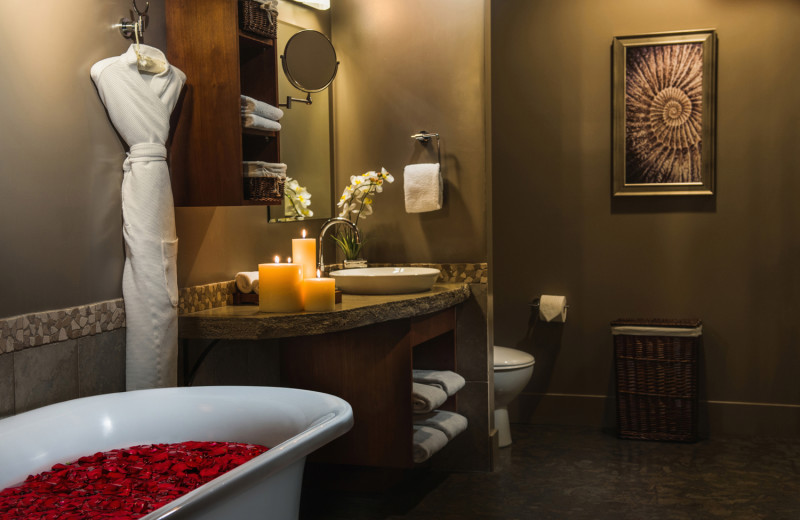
656	378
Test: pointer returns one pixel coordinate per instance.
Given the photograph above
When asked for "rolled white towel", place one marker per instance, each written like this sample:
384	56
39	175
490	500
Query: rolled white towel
449	423
260	123
260	108
425	398
447	380
255	286
263	169
427	441
245	279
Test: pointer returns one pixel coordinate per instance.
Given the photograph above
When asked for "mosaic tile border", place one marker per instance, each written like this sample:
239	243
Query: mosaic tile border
41	328
452	273
202	297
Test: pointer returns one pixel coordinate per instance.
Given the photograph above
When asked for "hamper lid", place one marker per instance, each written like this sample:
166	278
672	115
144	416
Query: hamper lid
657	327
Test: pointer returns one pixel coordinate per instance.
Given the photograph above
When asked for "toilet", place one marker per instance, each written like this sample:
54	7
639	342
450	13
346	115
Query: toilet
512	371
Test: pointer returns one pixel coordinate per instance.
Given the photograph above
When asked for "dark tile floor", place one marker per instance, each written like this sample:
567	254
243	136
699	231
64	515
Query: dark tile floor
557	472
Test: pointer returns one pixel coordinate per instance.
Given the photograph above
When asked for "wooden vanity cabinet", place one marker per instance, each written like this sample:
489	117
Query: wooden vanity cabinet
221	62
370	367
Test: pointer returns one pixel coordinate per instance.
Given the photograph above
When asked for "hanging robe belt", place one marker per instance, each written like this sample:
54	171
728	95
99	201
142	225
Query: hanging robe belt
144	152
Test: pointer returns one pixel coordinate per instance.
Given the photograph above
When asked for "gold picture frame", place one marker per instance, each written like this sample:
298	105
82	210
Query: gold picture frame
664	102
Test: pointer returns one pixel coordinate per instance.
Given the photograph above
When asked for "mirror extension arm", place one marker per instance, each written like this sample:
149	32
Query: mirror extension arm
290	99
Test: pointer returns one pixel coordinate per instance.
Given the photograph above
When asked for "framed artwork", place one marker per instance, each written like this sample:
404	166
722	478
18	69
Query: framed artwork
664	88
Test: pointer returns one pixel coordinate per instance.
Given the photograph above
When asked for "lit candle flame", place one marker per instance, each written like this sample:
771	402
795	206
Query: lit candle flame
318	273
289	260
277	259
304	233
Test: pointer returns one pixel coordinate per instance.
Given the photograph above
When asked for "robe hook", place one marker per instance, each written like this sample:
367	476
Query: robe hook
128	27
138	12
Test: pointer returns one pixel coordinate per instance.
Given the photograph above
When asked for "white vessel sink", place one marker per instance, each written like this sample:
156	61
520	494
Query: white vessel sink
385	280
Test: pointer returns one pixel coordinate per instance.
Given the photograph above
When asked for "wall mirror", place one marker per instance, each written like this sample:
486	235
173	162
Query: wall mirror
309	61
305	137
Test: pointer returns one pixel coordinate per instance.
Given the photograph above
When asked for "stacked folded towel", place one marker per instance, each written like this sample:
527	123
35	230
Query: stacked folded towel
260	115
449	423
448	381
247	281
260	123
252	106
263	169
427	441
426	398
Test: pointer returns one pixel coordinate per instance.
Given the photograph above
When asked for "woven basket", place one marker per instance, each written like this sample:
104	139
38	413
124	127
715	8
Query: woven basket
656	382
253	18
264	189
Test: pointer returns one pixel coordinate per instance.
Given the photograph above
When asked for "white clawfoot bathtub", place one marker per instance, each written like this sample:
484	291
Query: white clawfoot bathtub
291	422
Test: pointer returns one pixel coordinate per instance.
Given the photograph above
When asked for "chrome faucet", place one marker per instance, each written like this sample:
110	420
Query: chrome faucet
327	225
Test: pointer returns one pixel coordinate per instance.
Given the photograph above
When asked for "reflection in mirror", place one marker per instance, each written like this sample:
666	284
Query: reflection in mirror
305	143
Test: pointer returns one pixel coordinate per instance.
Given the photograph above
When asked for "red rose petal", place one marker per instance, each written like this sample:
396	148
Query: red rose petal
122	484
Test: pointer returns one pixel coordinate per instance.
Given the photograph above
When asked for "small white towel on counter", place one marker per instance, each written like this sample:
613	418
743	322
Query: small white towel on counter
245	280
449	423
426	398
260	123
448	381
427	441
423	187
260	108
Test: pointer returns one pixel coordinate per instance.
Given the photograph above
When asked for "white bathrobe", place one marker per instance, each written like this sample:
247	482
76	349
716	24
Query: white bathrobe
139	105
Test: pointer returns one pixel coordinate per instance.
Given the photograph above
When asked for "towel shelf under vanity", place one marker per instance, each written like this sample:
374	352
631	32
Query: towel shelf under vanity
370	367
363	352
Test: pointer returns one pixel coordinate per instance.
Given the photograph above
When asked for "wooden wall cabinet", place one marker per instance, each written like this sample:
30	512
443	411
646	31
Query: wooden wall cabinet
370	367
221	62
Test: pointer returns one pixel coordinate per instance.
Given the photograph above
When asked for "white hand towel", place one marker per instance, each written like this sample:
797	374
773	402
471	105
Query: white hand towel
260	123
422	184
448	381
426	398
427	441
255	285
260	108
245	279
449	423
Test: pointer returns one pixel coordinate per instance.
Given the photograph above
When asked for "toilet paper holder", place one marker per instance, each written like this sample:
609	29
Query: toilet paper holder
535	303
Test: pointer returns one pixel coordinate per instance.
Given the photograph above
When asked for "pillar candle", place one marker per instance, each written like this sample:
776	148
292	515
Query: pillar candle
319	294
280	287
304	252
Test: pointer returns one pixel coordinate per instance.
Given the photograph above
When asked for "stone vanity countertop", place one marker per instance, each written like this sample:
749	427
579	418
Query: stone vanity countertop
246	322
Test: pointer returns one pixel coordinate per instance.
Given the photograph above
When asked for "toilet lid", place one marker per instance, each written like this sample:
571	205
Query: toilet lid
507	358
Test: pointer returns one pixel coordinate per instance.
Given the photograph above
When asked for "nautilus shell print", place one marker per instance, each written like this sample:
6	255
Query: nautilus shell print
663	113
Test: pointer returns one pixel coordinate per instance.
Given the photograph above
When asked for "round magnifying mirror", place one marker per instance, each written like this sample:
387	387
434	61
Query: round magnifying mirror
309	61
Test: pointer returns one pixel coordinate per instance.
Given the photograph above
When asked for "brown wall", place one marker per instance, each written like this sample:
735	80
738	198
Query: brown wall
730	260
60	160
405	67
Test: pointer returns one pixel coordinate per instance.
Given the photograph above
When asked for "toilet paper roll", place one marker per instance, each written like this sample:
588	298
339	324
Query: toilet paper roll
553	308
